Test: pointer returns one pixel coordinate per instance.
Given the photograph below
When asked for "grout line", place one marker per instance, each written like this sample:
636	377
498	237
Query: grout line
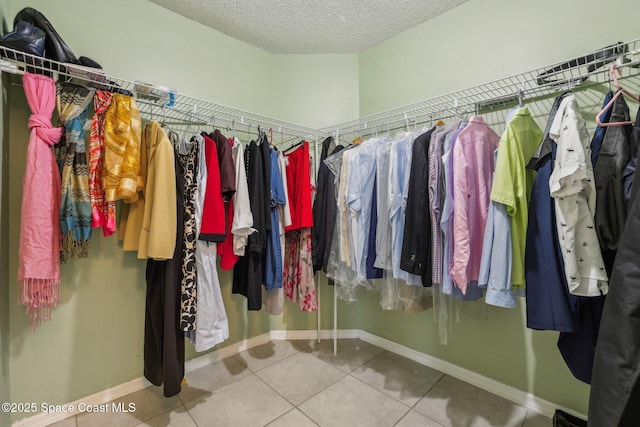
430	388
315	394
190	415
379	391
402	417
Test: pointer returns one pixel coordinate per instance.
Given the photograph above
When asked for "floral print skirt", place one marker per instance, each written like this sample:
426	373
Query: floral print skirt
297	283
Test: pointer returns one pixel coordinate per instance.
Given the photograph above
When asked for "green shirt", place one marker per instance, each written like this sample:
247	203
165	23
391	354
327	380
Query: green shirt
512	183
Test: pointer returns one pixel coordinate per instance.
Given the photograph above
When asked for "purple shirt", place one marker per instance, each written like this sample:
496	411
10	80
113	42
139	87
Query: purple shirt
474	165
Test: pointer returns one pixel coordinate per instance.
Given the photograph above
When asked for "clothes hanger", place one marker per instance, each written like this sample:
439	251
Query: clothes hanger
621	91
520	98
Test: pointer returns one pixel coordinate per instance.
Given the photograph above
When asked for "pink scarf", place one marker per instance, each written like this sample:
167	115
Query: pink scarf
39	256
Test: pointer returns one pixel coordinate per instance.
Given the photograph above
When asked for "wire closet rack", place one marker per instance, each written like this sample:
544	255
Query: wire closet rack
154	101
164	104
576	74
579	75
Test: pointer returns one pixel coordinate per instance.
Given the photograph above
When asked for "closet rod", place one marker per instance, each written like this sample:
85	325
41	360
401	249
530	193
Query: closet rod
587	70
152	94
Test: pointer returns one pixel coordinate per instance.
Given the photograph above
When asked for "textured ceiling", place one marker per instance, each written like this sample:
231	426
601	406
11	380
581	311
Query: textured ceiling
310	26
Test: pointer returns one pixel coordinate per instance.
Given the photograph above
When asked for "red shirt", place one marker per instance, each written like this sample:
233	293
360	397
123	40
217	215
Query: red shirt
299	186
213	228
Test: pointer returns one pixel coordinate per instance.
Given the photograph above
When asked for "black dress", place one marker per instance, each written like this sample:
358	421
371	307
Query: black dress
248	271
163	338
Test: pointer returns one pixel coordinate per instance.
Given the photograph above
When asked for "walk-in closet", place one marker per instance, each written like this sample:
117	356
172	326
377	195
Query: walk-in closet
281	213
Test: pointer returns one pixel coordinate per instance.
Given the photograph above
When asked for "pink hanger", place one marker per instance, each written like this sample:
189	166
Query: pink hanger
619	93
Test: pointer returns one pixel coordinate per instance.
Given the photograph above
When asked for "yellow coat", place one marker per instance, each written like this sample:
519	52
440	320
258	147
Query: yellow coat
149	224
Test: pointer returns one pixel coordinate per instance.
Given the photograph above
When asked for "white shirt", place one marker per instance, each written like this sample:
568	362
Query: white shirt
241	227
572	186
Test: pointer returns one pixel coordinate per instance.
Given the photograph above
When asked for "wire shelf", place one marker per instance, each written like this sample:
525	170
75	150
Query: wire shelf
156	102
535	85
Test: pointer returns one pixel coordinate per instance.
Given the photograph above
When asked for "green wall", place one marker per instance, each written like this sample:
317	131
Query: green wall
94	340
477	42
484	40
4	284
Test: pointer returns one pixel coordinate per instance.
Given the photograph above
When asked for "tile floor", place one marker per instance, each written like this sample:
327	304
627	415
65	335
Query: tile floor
301	383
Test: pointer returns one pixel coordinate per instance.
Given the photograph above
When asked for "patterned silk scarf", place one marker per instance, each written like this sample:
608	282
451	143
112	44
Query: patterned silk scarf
103	212
75	208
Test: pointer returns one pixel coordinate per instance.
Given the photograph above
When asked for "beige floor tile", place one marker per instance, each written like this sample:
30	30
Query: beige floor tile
67	422
178	417
246	402
352	353
398	377
148	403
300	376
352	403
454	403
293	418
416	419
260	357
536	420
209	378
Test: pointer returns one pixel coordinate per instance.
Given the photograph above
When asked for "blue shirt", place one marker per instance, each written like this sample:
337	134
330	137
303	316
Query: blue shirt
497	256
399	168
273	255
360	184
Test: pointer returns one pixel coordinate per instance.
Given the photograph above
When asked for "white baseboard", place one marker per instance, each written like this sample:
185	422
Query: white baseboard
528	400
43	419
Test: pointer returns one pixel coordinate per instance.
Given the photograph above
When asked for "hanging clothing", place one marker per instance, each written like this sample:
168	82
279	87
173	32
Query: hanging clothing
122	134
417	243
163	338
298	279
473	165
615	386
512	185
132	214
228	257
383	199
242	215
274	298
598	134
322	207
226	165
299	185
344	236
298	284
39	250
497	254
148	226
573	189
373	272
359	193
273	252
436	196
213	216
187	155
579	346
248	271
550	306
212	325
473	291
399	171
611	206
324	214
103	212
75	207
